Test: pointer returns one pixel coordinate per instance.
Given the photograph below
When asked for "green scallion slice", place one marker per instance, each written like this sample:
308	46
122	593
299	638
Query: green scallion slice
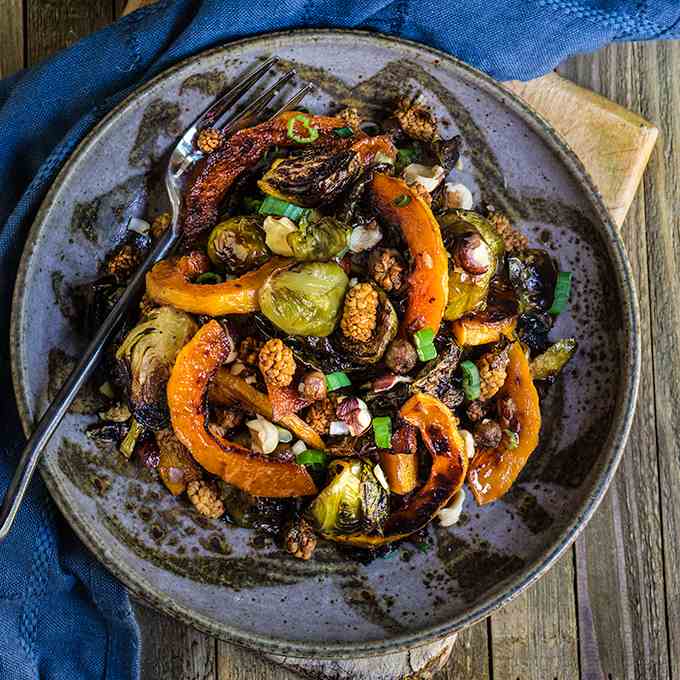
209	278
426	352
471	383
562	292
275	206
337	380
402	200
343	132
382	431
306	123
311	457
424	342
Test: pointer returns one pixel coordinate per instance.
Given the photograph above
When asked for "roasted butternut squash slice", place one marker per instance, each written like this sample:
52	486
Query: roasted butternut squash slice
439	432
400	205
196	365
493	471
470	331
169	283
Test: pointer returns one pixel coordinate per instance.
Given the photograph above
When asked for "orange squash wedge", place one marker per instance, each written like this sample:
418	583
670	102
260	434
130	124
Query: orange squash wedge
169	283
439	431
227	389
428	290
470	331
493	471
196	365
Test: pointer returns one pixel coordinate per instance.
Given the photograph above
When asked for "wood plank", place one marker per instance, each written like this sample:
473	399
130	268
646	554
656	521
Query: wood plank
52	25
660	99
469	658
172	650
620	589
237	663
11	36
535	635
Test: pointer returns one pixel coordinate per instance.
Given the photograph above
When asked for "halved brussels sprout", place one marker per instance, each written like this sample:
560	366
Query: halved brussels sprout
354	500
548	365
314	239
145	359
305	300
468	292
533	275
237	244
435	378
312	178
372	350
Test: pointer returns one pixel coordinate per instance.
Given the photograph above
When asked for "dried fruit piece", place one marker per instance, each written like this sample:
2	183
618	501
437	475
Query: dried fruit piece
277	363
359	316
205	498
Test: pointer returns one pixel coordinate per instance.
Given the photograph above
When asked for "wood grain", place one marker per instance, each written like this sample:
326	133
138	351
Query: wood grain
11	37
660	99
535	635
621	583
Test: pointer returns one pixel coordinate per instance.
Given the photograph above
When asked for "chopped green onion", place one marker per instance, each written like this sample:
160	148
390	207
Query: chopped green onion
402	200
425	336
426	352
209	278
425	348
471	385
562	291
275	206
382	432
343	132
306	123
127	446
513	439
406	156
337	380
311	457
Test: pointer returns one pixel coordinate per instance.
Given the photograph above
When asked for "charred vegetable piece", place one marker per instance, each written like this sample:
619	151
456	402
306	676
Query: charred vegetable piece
305	300
428	280
237	245
438	429
468	288
311	240
176	467
353	501
436	379
169	283
548	365
255	512
533	329
145	359
195	367
214	175
227	388
370	351
533	275
493	471
127	446
401	471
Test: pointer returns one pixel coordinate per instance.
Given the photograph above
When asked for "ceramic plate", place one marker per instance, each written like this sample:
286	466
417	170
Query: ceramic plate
227	581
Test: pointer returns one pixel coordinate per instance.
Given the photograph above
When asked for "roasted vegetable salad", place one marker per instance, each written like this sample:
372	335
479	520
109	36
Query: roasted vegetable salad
344	341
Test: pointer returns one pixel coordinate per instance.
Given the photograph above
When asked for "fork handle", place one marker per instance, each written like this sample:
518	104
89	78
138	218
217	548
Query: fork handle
64	398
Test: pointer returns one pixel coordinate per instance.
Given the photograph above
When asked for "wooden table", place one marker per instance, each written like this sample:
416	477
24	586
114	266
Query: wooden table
611	607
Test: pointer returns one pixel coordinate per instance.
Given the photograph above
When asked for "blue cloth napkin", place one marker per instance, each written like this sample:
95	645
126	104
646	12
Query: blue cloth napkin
61	614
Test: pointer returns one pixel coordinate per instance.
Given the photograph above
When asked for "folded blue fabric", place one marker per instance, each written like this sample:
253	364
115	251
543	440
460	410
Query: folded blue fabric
62	615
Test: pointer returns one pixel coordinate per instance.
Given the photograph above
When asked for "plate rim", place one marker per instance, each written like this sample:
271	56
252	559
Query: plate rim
145	591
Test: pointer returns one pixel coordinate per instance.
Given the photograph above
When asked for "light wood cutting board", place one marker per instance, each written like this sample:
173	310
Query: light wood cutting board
614	144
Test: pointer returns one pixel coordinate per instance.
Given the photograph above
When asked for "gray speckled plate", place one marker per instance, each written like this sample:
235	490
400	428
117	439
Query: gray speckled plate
217	577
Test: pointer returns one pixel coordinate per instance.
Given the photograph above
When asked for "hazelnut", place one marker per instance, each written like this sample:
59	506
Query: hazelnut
488	434
472	253
401	356
313	386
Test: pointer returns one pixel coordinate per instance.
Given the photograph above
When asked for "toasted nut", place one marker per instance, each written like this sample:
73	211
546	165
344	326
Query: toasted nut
313	386
300	540
401	356
472	254
160	224
320	415
387	269
488	434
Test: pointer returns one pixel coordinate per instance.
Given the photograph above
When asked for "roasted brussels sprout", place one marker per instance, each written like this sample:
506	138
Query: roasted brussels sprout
305	300
533	329
255	512
145	359
371	350
476	248
548	365
312	178
237	244
533	274
354	500
314	239
436	378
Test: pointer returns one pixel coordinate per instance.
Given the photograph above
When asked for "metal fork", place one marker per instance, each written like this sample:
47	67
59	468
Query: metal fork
183	156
